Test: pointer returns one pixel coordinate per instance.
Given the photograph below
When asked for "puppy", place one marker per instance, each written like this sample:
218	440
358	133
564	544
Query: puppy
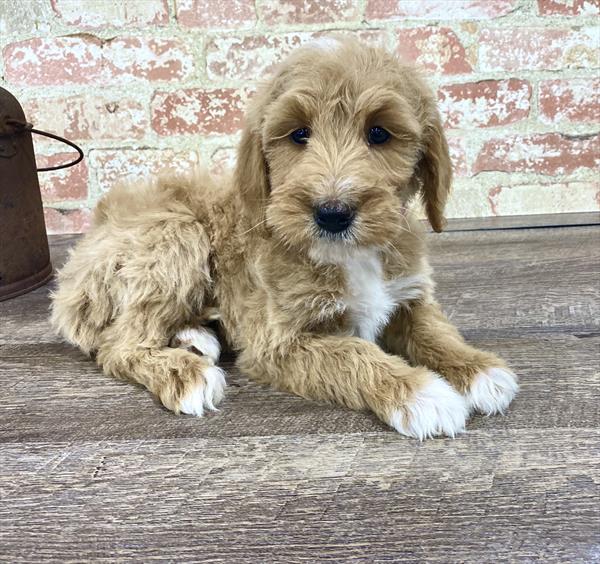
309	256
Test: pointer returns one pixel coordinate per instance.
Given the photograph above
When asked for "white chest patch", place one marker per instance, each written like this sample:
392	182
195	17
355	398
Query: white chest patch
369	298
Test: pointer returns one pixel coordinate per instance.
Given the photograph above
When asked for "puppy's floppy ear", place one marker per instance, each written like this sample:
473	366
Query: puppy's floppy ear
251	173
434	170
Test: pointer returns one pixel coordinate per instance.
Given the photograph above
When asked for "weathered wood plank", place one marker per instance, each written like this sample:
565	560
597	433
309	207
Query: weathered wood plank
528	221
93	469
521	280
493	497
53	391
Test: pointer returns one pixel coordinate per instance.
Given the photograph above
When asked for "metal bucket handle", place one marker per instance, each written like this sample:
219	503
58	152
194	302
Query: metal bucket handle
26	126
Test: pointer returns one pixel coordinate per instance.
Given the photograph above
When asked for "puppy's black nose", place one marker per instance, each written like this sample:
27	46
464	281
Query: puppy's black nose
334	217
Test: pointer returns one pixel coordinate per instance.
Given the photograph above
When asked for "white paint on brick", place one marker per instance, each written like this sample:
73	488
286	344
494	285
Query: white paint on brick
117	13
113	166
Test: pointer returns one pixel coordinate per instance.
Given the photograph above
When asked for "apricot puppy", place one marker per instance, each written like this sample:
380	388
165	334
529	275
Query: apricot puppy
310	258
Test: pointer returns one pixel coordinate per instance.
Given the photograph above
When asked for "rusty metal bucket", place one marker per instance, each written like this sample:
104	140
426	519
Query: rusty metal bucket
24	255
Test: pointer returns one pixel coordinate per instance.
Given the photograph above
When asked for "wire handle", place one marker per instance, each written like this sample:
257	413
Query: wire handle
20	126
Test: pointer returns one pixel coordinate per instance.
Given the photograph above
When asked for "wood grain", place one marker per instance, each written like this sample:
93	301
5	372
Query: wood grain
371	497
92	469
527	221
54	391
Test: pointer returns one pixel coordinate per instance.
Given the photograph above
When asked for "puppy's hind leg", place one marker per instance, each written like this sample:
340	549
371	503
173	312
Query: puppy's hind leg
200	340
183	381
160	288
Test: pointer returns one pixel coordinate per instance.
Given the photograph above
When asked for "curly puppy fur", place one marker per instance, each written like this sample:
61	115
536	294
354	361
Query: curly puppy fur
347	318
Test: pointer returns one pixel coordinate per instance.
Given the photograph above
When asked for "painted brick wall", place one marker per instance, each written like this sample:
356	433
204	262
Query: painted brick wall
145	83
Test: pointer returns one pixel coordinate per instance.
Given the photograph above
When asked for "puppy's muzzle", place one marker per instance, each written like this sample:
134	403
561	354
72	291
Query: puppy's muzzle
334	216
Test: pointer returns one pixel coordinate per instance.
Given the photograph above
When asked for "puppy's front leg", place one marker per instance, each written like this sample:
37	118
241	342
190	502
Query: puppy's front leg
359	375
424	336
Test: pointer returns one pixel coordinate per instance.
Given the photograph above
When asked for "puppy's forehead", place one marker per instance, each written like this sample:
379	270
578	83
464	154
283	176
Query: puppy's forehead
333	66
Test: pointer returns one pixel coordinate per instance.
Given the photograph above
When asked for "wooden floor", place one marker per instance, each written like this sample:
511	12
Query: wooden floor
93	469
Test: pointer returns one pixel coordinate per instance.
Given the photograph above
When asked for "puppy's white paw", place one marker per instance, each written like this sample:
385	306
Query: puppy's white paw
206	394
202	339
436	409
492	391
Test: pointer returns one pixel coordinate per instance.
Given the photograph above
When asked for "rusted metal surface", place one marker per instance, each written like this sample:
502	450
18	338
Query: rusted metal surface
24	256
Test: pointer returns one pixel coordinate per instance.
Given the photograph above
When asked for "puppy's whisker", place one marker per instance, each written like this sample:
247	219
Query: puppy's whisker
254	227
405	219
408	229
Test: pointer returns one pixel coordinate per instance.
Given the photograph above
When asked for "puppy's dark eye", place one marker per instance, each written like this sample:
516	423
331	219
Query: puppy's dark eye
300	136
378	135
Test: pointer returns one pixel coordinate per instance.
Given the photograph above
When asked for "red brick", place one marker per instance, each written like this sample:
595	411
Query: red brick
149	59
486	103
544	198
310	11
61	60
575	100
514	49
84	117
207	14
67	221
544	153
437	49
568	7
195	110
113	165
439	9
86	59
63	185
126	13
249	57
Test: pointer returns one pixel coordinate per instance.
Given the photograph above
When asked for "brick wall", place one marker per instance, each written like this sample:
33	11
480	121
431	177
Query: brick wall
145	83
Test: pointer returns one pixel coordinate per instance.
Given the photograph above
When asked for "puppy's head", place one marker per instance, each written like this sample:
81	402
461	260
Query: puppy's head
338	143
